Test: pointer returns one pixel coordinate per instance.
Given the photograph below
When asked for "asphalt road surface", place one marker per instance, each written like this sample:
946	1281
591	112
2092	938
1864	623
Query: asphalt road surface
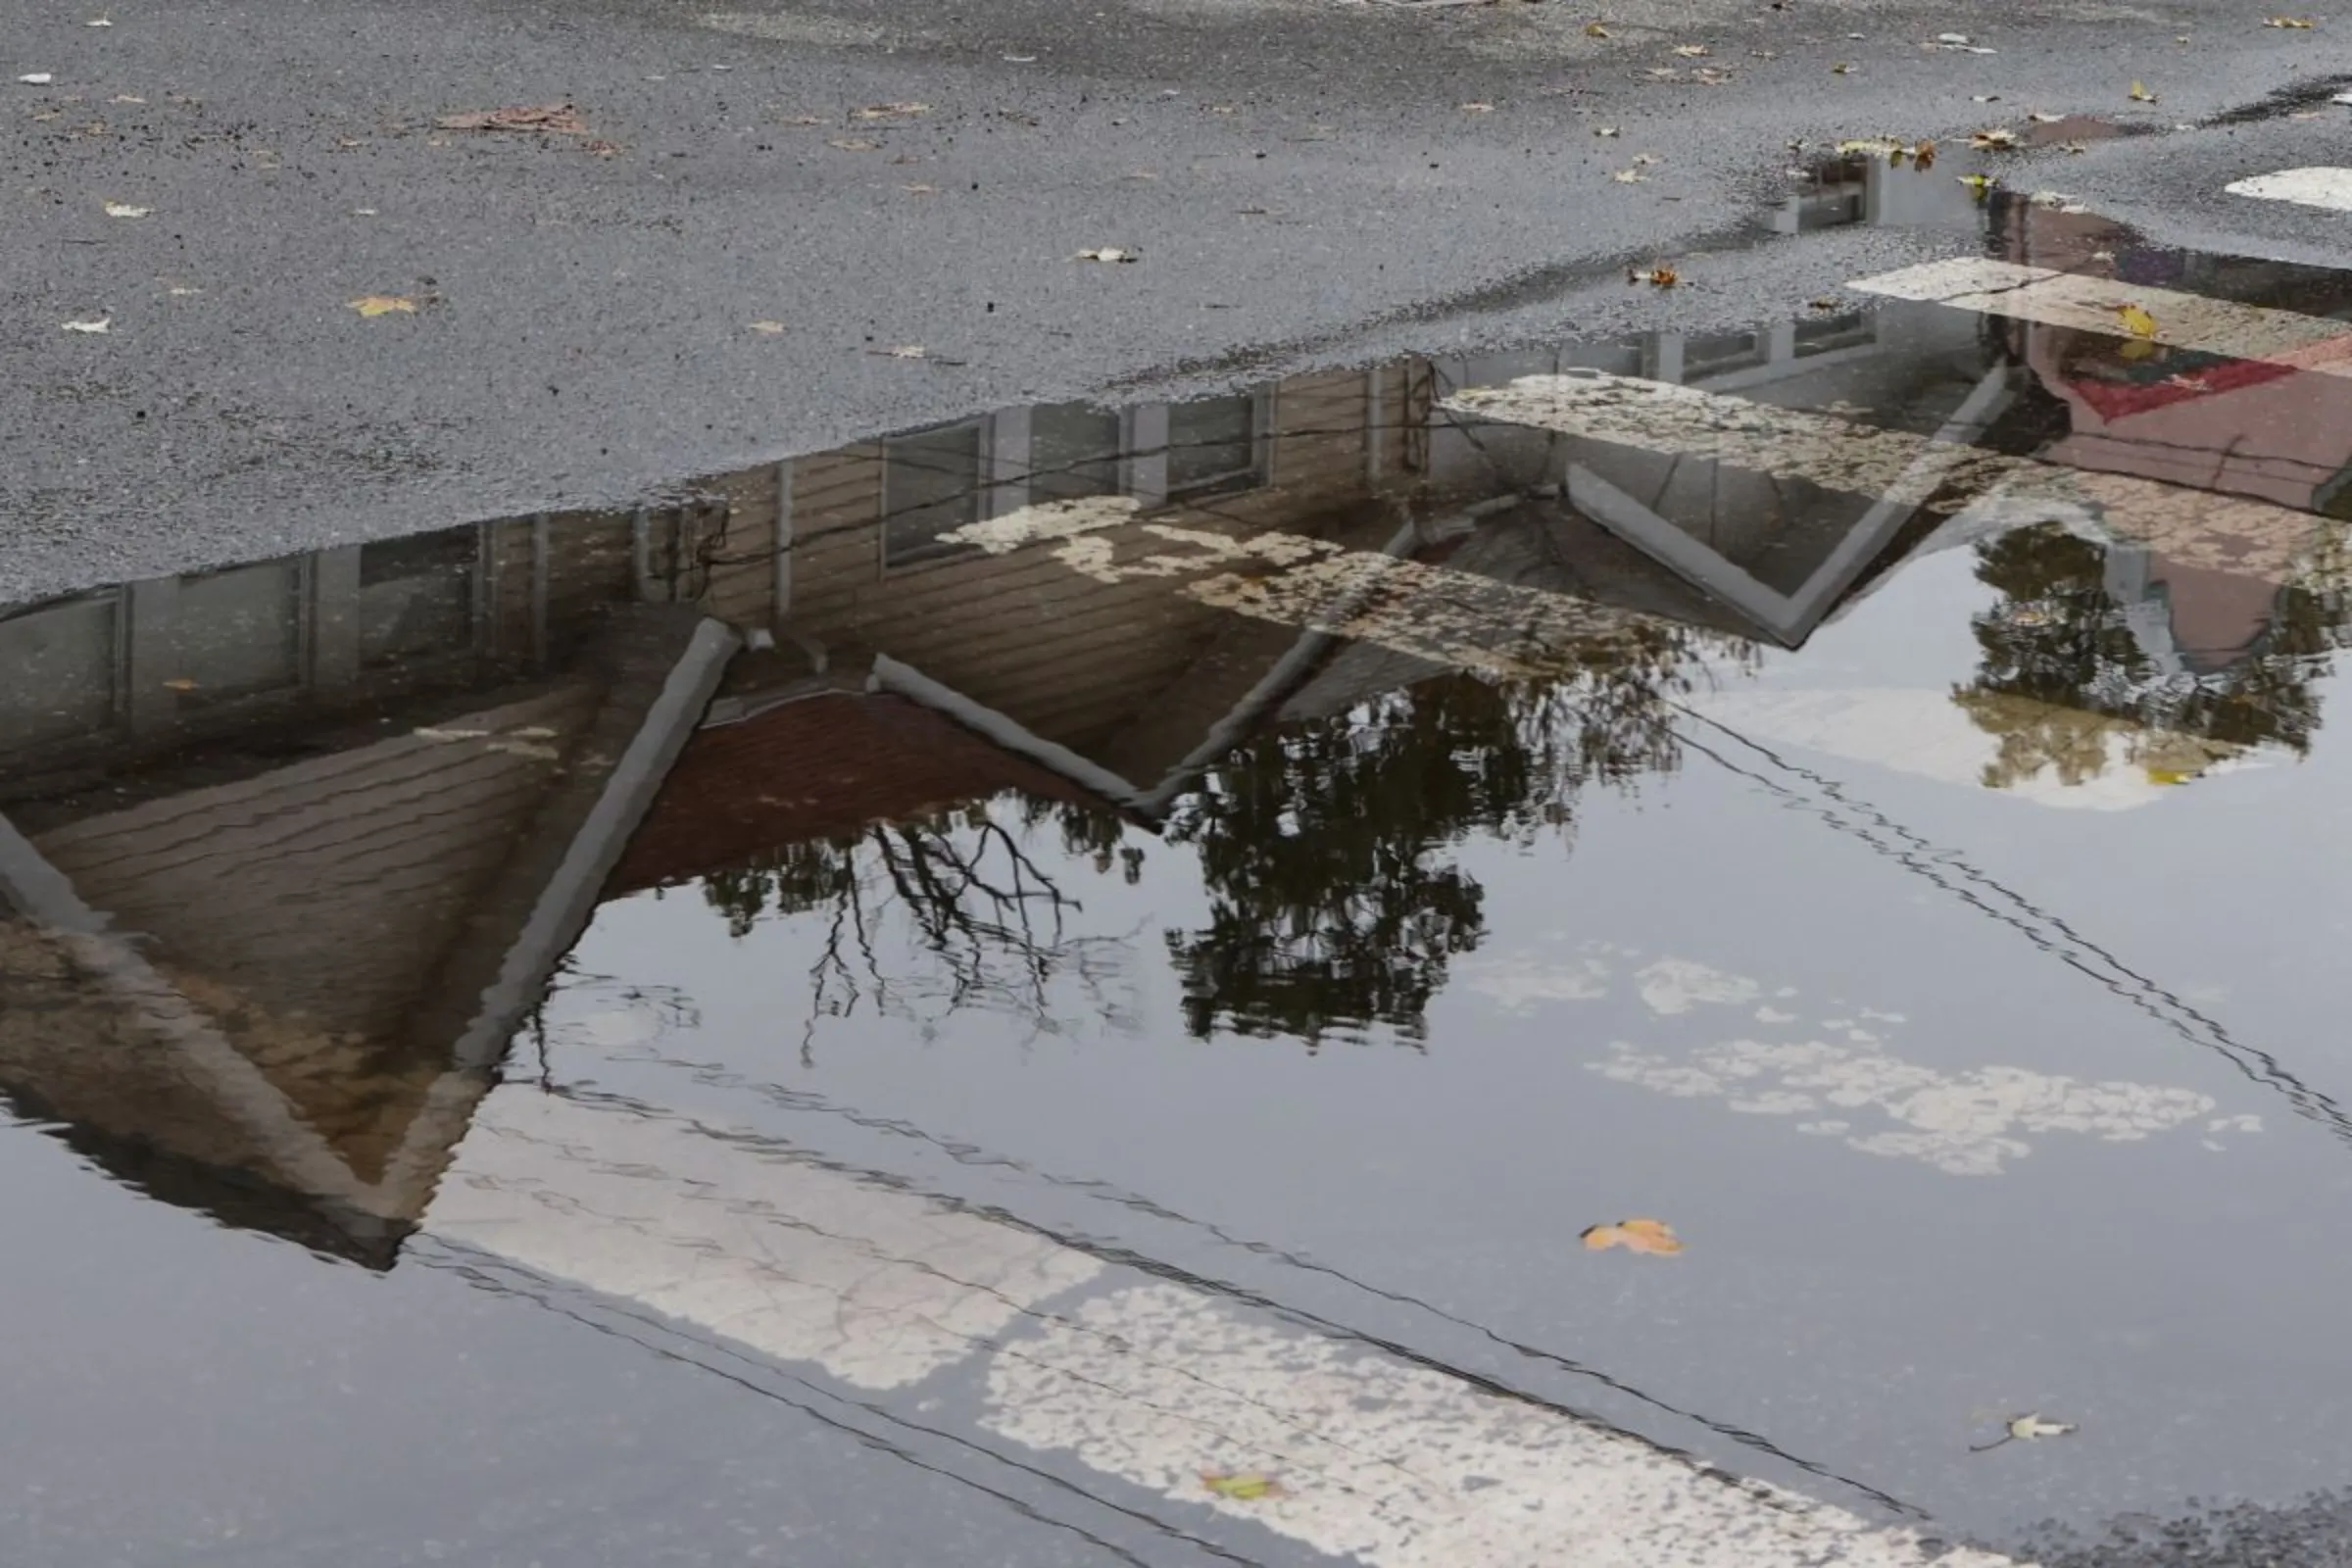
1593	823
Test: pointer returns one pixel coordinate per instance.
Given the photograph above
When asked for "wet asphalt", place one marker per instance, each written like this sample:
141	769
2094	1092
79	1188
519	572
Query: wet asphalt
1305	182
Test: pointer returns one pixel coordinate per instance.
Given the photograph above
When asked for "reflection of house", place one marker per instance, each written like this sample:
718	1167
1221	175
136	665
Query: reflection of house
295	843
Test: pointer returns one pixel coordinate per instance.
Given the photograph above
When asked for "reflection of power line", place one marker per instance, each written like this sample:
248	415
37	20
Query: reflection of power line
502	1278
1105	1192
2047	931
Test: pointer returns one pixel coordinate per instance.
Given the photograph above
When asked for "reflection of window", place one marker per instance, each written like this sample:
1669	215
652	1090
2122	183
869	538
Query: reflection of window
1715	353
1073	451
56	669
239	632
931	484
417	595
1215	446
1836	332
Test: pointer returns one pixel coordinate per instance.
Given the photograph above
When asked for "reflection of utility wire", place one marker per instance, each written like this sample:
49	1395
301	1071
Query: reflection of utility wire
499	1277
971	1154
2047	931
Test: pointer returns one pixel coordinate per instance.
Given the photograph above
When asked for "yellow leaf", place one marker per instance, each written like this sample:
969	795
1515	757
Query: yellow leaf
2137	322
383	305
1243	1486
1980	184
2140	93
1594	29
1655	1237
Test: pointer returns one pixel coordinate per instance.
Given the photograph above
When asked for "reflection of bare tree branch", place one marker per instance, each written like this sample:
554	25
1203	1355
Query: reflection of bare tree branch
965	892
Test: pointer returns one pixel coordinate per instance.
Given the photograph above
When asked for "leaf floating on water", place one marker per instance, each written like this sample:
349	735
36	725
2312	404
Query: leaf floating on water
375	305
1243	1486
126	210
2135	321
1980	184
2140	93
1654	1237
1996	140
97	327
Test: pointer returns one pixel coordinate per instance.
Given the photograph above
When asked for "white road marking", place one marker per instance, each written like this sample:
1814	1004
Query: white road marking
878	1287
2093	304
1391	1464
2330	188
2194	528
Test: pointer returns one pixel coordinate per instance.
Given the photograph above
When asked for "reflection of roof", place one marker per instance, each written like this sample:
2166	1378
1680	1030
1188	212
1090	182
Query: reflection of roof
822	766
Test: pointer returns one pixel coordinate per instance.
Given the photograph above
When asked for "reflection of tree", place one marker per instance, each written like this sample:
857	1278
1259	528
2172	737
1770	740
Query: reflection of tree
961	892
2064	684
1331	905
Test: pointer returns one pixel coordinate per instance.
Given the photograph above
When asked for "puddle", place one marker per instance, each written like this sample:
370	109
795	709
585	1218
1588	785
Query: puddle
1858	787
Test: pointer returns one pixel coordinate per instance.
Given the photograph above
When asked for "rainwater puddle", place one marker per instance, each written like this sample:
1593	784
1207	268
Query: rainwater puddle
1073	979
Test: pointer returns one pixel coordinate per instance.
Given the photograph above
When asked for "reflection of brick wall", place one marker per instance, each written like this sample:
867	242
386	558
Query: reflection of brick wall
818	767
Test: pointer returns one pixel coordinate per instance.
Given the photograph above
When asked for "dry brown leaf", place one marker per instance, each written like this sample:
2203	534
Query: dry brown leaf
373	305
1654	1237
559	119
1923	156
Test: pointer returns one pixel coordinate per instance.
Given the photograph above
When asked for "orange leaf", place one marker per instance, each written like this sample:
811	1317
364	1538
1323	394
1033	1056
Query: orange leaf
1651	1236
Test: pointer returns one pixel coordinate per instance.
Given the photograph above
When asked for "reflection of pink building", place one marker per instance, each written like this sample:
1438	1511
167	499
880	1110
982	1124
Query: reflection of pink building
2269	432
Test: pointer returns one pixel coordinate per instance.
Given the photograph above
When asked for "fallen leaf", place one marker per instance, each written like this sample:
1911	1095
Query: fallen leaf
769	329
1108	253
2297	24
126	98
1478	108
373	305
1923	156
1594	29
904	350
2135	321
560	118
1664	74
853	144
1842	69
1692	51
36	79
2025	1428
1644	159
1883	146
1710	76
1980	184
95	329
1996	140
98	21
1243	1486
1985	98
1629	176
890	111
1956	39
2140	93
1655	1237
2040	118
920	191
126	210
1607	131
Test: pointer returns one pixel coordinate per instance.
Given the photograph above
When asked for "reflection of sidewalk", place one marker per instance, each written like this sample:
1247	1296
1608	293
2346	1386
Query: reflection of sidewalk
1142	1382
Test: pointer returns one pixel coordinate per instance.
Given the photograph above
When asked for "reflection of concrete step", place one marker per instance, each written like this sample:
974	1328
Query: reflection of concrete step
1143	1383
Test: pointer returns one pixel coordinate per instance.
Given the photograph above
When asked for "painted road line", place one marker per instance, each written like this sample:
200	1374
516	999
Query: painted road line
2330	188
1393	1463
2192	527
878	1287
1387	1463
2251	332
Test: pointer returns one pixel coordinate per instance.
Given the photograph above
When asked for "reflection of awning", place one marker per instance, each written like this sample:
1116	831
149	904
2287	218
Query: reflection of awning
2126	386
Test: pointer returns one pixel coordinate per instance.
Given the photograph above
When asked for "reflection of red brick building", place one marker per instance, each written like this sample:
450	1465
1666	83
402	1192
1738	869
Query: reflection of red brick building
818	767
2274	431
